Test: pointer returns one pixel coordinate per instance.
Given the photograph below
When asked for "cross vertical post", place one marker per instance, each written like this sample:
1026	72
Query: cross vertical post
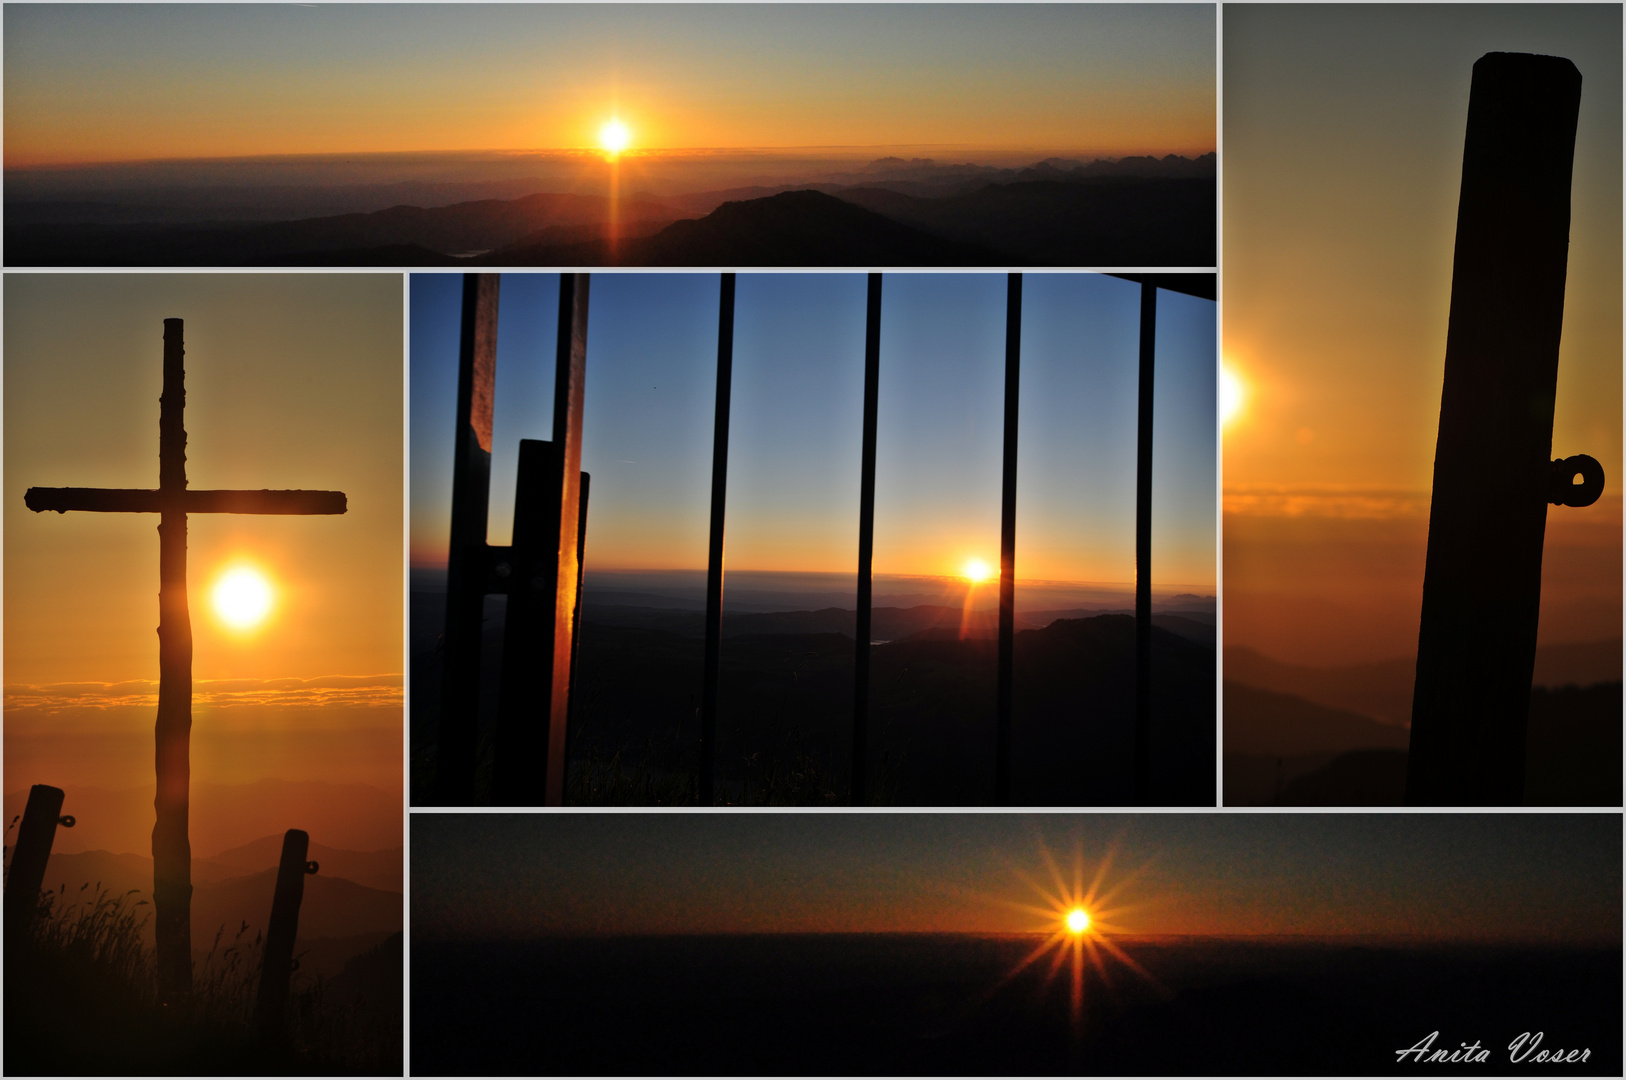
714	557
1143	547
866	544
1492	475
171	846
1007	544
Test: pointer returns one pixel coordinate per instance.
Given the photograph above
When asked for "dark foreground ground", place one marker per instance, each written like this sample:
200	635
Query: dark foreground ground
934	1004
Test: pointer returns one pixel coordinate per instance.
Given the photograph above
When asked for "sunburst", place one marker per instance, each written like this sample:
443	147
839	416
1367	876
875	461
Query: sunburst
1079	924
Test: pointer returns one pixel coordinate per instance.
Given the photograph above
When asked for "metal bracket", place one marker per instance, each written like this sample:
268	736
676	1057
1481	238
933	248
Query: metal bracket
1562	490
312	866
66	821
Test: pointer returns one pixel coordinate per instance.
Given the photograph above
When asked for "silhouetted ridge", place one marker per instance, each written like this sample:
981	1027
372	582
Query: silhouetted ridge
792	228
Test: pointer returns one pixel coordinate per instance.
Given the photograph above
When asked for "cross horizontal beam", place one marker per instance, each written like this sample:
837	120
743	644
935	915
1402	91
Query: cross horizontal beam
139	501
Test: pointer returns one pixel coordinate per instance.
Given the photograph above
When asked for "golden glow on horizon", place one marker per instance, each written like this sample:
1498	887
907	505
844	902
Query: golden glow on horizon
976	571
1232	395
614	137
242	598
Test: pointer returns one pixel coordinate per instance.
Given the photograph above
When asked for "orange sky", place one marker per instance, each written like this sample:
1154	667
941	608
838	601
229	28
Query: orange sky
292	381
132	82
1343	149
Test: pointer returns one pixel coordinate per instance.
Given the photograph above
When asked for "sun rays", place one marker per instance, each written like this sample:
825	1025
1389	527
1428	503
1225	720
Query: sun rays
1079	922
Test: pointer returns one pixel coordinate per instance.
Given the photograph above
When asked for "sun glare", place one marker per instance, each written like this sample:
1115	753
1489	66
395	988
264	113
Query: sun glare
1231	395
242	598
977	571
1078	921
614	136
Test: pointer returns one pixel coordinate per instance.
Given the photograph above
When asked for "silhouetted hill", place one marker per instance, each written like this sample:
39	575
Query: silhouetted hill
354	817
1572	752
400	235
1356	778
345	916
1382	690
1105	221
1281	725
1573	746
793	228
375	869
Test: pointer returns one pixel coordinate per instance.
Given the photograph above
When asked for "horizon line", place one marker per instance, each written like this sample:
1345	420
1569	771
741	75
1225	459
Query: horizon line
600	152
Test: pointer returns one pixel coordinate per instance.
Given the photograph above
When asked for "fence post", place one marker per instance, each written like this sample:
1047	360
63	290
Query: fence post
1143	546
1007	543
277	960
714	559
866	545
1492	474
29	857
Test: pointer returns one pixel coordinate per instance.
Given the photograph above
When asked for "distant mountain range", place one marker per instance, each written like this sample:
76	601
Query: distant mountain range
1303	735
338	918
1132	212
225	817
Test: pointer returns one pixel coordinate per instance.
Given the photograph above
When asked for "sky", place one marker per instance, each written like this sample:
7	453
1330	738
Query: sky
795	433
1510	877
88	83
1344	133
293	381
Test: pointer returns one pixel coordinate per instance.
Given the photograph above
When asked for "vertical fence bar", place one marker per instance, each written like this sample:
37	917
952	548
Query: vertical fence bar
459	720
1482	578
866	545
576	635
1143	547
1007	542
569	400
714	559
26	877
277	959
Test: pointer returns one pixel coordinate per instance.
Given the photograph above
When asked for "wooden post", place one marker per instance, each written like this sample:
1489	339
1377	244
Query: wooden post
525	756
714	559
866	545
459	720
1492	471
28	859
1143	547
277	959
569	398
1007	543
171	847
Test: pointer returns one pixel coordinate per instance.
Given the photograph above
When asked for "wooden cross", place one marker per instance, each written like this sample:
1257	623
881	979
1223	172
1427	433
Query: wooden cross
171	847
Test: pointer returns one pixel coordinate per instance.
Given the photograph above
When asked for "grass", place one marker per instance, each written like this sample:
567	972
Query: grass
81	998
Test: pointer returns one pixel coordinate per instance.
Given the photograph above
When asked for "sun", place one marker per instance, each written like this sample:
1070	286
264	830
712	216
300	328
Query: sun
242	598
614	136
1232	394
1077	925
977	571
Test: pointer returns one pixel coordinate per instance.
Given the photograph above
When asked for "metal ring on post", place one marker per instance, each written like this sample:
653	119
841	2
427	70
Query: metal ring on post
66	821
312	866
1562	490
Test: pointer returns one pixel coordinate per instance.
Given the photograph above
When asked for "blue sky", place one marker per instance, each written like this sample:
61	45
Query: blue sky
795	421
